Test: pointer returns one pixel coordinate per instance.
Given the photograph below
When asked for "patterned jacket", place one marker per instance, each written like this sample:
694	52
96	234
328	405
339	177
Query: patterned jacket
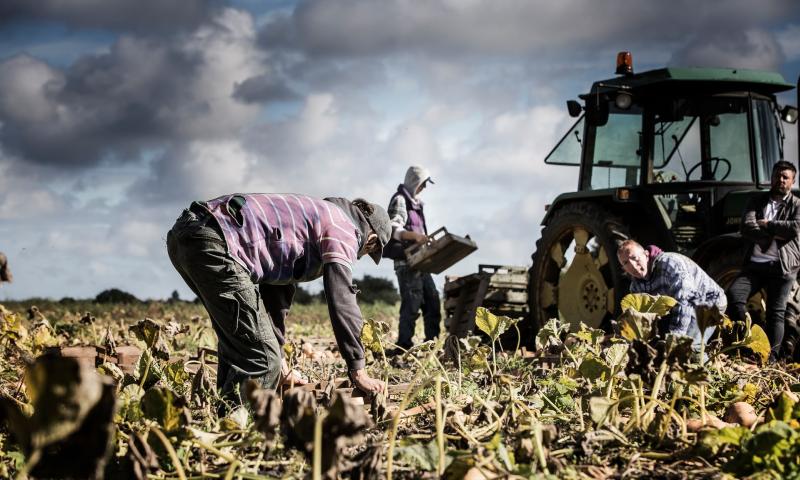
679	277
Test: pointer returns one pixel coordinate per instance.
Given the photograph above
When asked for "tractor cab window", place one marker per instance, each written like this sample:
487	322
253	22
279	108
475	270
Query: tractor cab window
767	133
568	149
617	150
702	141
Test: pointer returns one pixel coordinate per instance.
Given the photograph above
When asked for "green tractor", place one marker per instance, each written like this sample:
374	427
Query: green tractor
667	157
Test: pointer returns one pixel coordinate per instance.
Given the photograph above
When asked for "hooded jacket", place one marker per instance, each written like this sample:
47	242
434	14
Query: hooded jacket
406	212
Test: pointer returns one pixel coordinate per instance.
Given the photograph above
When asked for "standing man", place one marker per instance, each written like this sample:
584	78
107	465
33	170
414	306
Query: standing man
771	224
668	273
238	250
417	290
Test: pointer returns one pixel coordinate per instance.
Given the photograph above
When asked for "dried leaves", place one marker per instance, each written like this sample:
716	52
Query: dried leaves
342	426
69	434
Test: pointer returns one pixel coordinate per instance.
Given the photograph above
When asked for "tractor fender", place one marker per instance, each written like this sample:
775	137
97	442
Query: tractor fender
603	198
713	247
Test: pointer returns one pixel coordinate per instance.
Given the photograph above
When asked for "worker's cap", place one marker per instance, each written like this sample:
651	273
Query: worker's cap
378	220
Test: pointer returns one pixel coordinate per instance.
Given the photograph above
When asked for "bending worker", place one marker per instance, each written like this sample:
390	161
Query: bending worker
237	250
668	273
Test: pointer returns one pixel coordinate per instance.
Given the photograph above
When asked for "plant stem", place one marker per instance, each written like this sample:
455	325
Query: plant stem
439	425
317	458
170	451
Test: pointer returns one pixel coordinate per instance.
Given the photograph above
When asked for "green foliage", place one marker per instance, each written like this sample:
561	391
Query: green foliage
166	408
115	295
640	313
552	333
372	333
609	395
377	289
491	324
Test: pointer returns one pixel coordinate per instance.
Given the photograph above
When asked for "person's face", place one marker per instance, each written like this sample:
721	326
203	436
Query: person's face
633	259
370	245
782	181
421	188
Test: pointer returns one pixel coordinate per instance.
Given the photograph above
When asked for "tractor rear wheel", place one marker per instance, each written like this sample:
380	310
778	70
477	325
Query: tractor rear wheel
575	275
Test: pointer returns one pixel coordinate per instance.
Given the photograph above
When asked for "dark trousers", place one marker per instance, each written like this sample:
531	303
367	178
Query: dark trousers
770	277
247	343
417	292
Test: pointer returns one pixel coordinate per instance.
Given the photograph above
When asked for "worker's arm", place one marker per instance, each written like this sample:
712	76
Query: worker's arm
398	215
347	322
750	228
785	229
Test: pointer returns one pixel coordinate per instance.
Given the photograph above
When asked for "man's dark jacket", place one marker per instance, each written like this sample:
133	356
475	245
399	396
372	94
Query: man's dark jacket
784	229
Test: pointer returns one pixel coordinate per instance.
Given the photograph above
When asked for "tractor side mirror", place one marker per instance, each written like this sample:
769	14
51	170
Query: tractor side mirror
574	108
789	114
597	110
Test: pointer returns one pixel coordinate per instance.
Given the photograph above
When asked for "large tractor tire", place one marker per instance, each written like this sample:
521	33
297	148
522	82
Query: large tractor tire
575	274
725	267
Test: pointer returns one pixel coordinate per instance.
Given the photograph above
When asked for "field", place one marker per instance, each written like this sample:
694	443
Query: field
583	405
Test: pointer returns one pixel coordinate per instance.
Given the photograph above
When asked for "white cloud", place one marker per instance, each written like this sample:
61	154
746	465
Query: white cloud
755	49
789	40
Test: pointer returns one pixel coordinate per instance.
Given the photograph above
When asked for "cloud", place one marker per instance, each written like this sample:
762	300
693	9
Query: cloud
197	170
113	106
752	49
263	89
515	27
141	15
789	39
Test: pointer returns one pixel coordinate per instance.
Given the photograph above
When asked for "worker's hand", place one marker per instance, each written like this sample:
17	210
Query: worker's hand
762	222
365	383
418	238
289	377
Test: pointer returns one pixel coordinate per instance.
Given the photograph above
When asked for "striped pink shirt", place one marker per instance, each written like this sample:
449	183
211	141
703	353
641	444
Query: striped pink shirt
286	238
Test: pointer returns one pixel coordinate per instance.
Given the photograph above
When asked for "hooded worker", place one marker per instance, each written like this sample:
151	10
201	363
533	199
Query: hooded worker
417	290
239	250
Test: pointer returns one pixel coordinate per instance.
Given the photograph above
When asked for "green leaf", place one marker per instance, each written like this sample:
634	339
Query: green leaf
617	355
646	303
601	408
372	333
175	373
781	409
166	408
129	404
709	317
712	441
594	368
758	342
635	325
592	336
491	324
551	333
470	343
420	456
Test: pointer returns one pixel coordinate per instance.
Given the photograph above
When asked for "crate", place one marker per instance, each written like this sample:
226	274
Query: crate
440	253
502	289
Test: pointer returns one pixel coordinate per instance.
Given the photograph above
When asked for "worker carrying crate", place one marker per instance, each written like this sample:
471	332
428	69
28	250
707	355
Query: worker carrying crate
417	255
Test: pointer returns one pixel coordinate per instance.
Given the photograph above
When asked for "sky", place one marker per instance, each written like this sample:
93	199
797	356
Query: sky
116	114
